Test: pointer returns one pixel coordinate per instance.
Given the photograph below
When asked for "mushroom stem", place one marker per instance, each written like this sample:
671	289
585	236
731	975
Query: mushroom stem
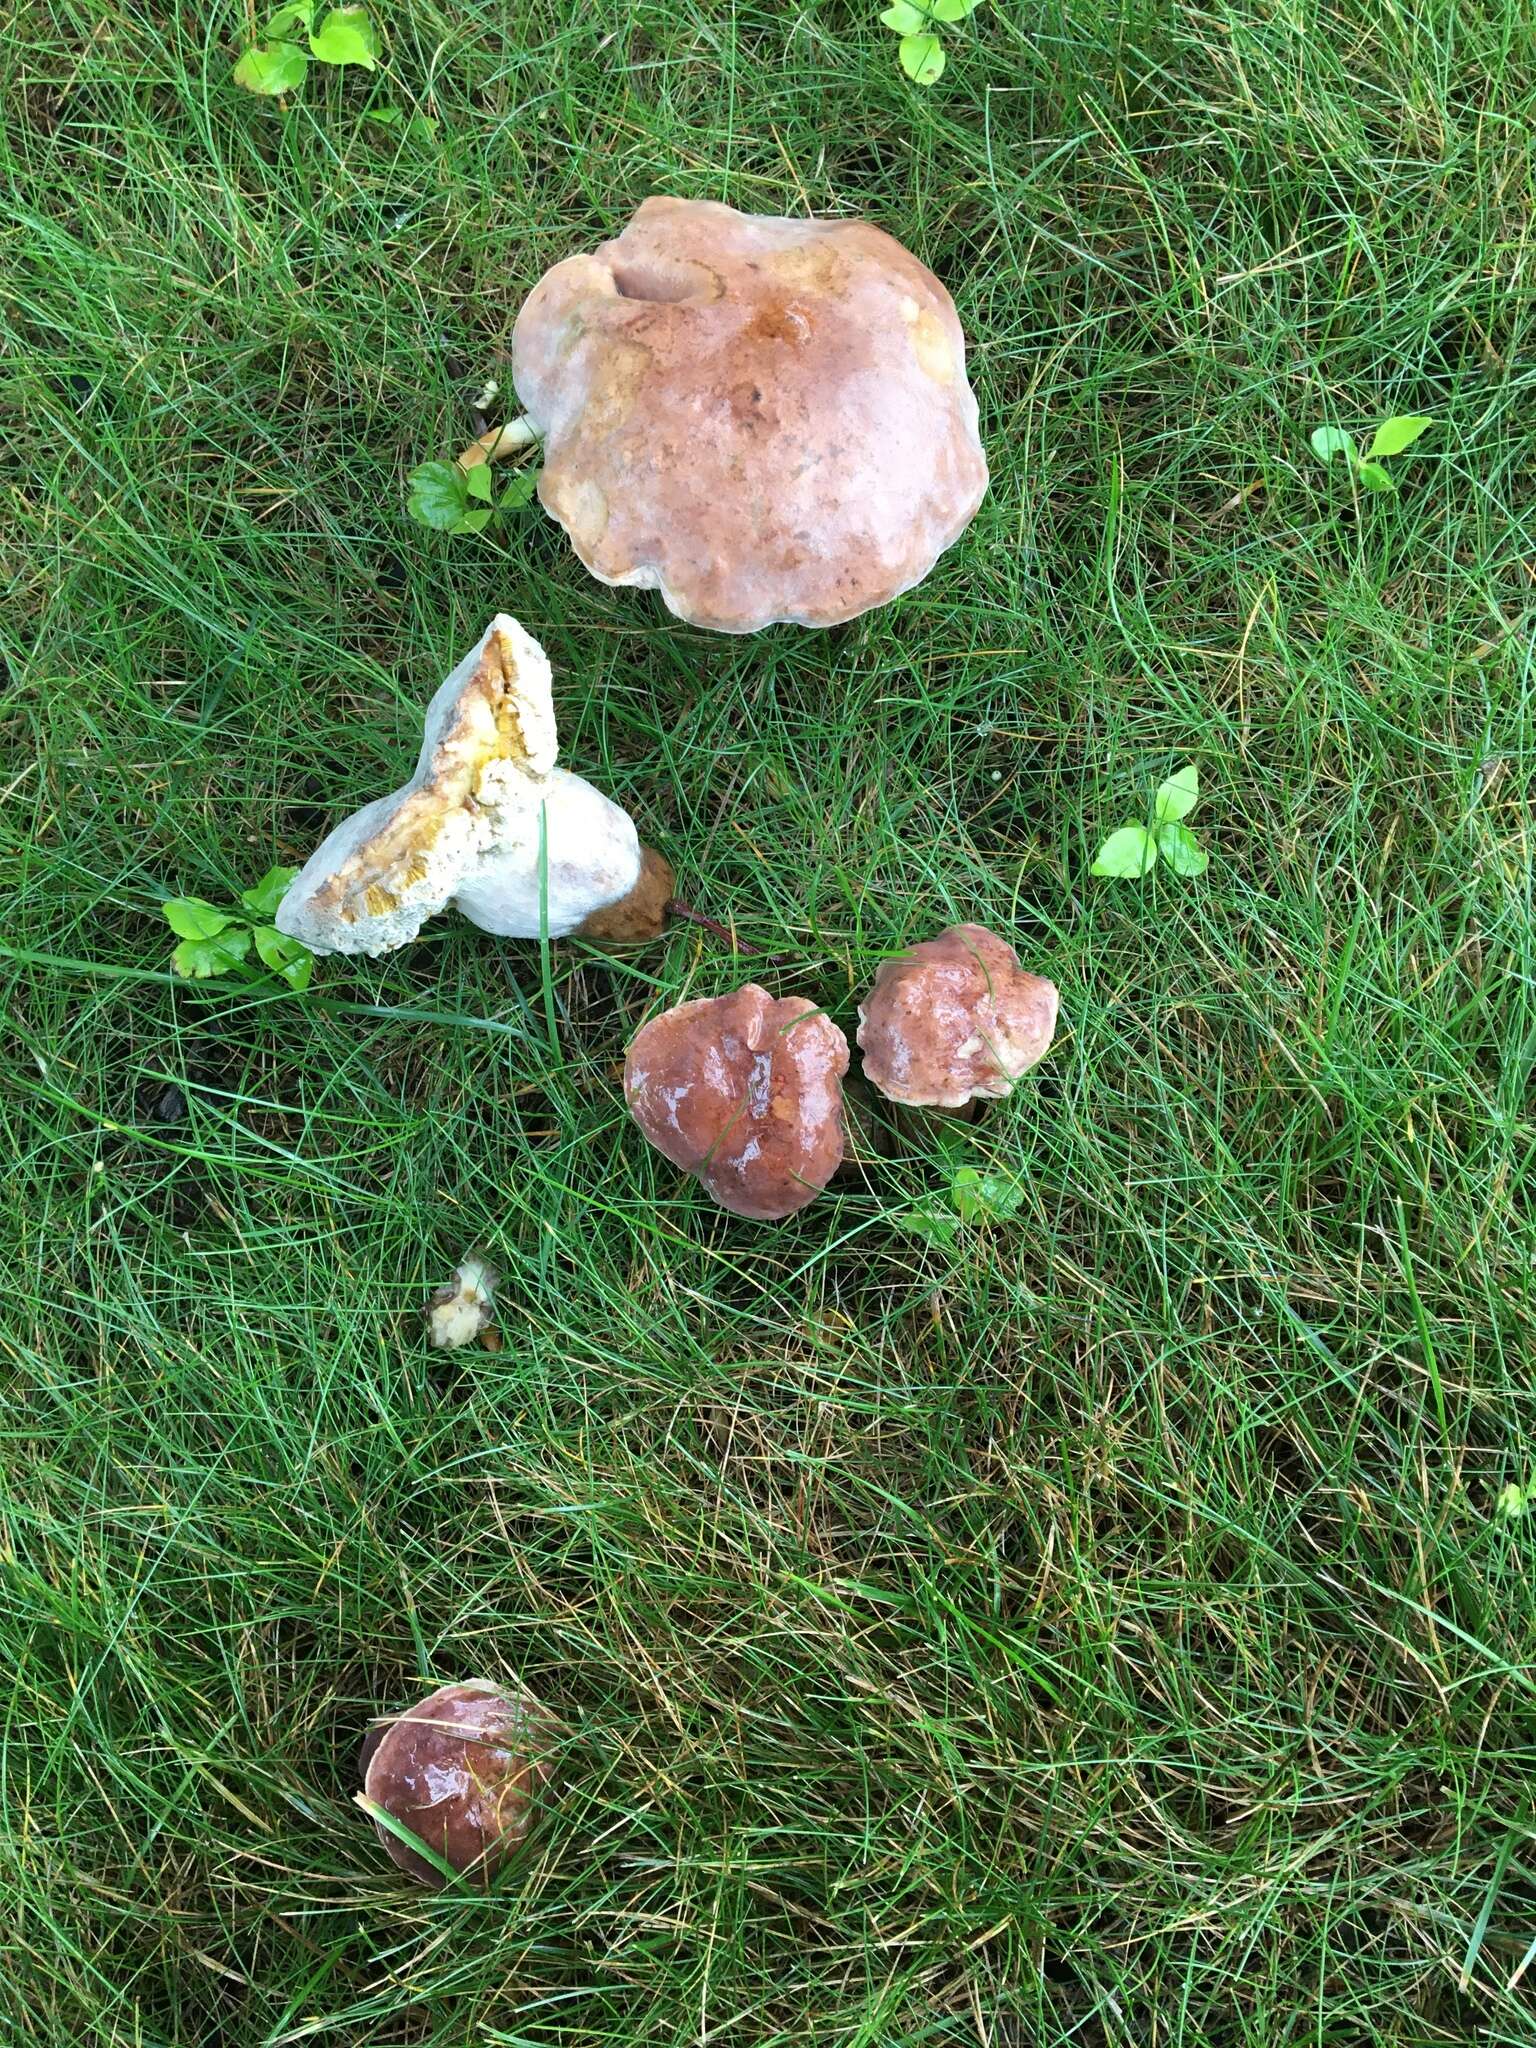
492	445
918	1126
869	1138
678	908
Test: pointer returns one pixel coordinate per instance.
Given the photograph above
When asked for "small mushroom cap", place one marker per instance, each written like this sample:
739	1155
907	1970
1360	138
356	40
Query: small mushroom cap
745	1092
487	823
954	1019
764	419
461	1771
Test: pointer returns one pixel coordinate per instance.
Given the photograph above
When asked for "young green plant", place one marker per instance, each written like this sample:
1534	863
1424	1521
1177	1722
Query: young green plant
215	942
1133	850
917	22
450	497
971	1197
1393	437
280	62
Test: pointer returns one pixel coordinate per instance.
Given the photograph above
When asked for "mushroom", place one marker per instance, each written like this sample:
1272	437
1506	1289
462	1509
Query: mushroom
461	1771
487	823
954	1020
463	1308
746	1093
766	420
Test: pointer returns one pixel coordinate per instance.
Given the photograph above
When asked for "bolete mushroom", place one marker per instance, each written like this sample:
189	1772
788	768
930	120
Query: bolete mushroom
954	1020
766	420
462	1771
746	1093
487	823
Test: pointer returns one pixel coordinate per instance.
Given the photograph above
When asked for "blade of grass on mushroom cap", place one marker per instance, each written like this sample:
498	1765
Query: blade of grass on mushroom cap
412	1841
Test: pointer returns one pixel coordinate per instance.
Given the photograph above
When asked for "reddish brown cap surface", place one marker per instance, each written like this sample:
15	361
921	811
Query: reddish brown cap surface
765	419
461	1771
746	1093
953	1019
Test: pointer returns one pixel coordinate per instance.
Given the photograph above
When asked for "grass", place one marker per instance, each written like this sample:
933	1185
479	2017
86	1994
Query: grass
1099	1634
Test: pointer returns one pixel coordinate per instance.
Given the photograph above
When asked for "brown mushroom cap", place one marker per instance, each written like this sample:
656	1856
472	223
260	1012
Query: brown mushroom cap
765	419
461	1770
746	1093
953	1019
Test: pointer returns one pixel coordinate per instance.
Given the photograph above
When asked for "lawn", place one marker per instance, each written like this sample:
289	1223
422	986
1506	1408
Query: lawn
1101	1629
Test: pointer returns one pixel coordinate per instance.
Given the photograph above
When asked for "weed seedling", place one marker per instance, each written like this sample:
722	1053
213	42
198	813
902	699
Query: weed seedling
452	499
971	1197
1392	437
280	63
415	127
1132	851
215	942
917	22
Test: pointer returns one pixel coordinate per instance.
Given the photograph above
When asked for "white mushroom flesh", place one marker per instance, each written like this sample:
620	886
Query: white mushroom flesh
487	823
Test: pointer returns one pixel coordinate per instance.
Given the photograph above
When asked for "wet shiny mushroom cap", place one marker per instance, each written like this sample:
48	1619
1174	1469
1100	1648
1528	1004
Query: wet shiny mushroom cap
746	1093
954	1019
764	419
461	1771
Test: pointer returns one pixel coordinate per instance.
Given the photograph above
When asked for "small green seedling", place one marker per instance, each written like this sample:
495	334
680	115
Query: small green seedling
971	1197
452	499
215	942
921	50
280	62
1133	850
1514	1501
1392	437
415	127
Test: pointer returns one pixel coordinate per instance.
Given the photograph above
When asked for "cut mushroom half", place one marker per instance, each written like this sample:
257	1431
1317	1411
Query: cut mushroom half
766	420
954	1020
487	824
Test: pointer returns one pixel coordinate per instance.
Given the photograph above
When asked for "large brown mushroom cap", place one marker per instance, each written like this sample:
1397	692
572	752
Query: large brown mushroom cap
765	419
461	1771
953	1019
746	1093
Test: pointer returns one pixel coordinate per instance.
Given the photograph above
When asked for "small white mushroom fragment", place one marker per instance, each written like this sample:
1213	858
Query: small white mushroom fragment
461	1310
488	824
